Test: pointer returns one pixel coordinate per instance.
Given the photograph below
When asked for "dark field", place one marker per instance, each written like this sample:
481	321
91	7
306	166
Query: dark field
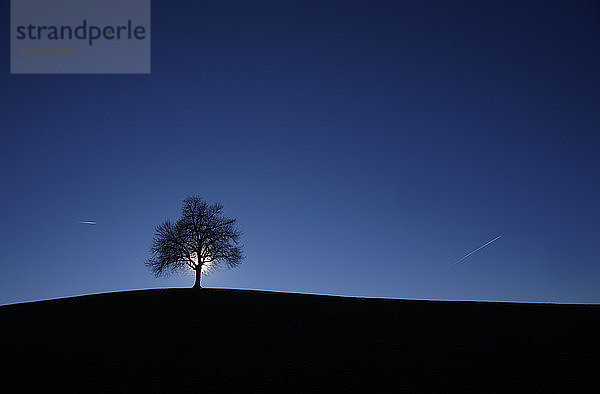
252	341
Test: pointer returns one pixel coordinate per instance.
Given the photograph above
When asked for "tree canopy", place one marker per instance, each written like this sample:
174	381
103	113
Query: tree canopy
202	240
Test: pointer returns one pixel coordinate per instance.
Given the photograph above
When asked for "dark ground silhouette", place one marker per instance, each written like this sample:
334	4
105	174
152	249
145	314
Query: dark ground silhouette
181	340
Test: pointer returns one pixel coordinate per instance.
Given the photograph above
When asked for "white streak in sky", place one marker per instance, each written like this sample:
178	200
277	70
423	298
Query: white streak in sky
479	248
87	222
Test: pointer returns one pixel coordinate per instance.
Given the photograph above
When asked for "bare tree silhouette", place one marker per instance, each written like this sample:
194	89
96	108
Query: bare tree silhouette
201	240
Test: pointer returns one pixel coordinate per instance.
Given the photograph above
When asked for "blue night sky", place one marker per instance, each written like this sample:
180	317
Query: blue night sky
363	147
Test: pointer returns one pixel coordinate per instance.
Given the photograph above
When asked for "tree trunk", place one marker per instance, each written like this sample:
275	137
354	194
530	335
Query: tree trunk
197	285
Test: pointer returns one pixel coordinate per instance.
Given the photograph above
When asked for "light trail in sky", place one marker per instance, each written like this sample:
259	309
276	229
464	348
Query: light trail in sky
479	248
92	222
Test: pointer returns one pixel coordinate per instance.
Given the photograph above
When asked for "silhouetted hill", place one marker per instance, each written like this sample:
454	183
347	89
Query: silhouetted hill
253	341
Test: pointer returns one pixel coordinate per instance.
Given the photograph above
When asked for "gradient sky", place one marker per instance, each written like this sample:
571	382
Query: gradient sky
363	147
